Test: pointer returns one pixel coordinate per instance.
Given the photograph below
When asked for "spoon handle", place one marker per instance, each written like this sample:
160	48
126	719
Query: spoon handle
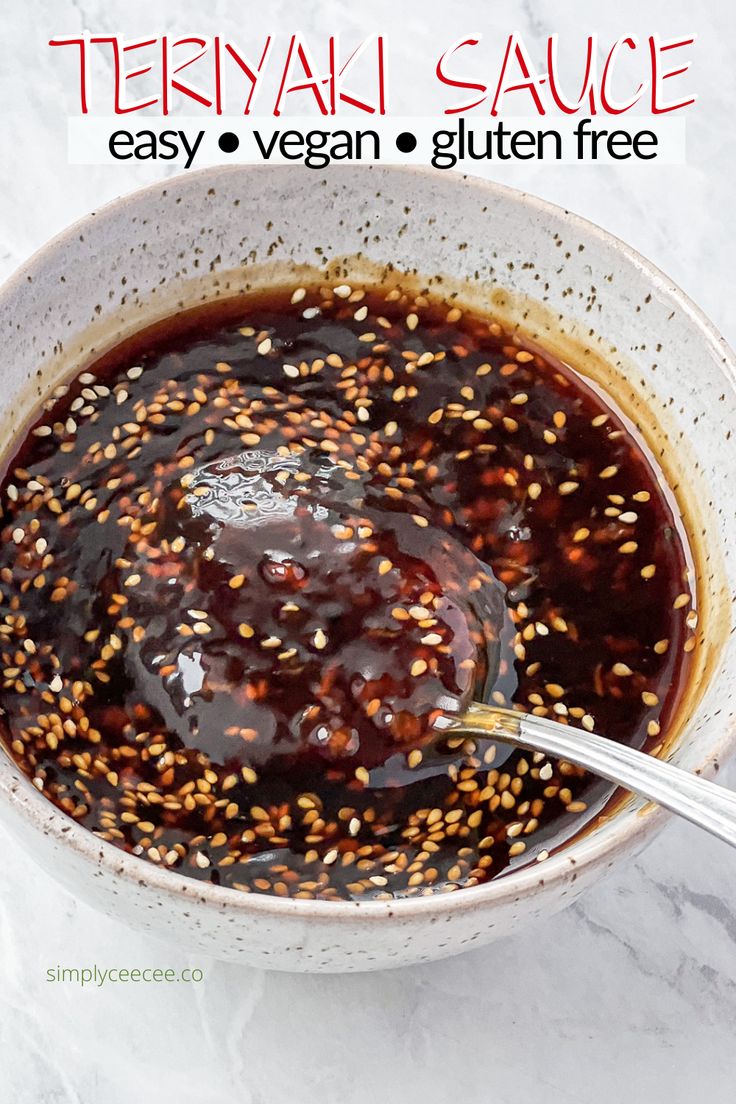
709	806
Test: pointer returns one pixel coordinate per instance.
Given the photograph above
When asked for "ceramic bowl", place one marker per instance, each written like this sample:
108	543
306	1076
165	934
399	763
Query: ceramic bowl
566	283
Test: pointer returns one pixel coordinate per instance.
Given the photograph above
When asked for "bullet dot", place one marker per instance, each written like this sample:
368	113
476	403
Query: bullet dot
228	142
406	142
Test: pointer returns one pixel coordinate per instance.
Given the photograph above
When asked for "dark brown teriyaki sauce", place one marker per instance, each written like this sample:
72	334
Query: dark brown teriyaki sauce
253	557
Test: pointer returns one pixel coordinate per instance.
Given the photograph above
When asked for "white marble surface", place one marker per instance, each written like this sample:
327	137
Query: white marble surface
631	993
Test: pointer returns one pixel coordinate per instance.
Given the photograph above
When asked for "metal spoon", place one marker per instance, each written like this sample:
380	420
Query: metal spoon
709	806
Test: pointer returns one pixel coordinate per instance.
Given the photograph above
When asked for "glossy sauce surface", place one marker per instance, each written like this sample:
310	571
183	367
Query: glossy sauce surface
254	557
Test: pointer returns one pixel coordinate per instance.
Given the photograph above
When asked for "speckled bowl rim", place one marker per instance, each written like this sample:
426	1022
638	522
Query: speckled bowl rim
593	845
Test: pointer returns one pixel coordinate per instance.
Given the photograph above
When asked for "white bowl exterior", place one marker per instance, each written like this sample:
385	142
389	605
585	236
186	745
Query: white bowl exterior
221	231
